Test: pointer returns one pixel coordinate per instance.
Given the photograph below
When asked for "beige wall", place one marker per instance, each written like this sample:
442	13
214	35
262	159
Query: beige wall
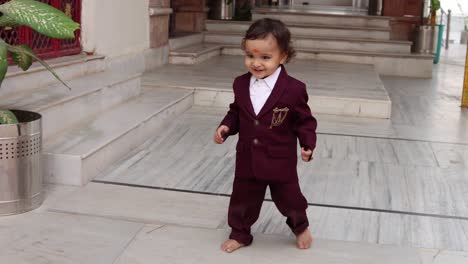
115	27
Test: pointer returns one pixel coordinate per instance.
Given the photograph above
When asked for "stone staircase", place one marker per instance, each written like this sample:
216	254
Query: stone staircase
347	38
105	114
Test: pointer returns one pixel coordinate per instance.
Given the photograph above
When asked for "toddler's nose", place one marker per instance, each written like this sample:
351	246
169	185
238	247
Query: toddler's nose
255	63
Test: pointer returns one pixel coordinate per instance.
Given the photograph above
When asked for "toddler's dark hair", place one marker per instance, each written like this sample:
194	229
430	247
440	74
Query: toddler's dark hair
262	27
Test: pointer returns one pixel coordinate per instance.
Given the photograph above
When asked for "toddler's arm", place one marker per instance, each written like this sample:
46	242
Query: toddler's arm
306	124
221	134
231	120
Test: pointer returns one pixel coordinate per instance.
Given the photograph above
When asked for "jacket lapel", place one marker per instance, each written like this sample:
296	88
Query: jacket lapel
244	92
276	94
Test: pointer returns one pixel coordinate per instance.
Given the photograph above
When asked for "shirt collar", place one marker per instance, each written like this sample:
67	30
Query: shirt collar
270	80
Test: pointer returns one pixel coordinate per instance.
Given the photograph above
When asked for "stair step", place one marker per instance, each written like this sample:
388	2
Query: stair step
185	41
331	91
308	30
390	64
69	67
89	96
194	54
309	42
78	154
311	17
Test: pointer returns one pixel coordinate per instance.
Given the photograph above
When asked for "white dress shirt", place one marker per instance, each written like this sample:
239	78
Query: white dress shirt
260	89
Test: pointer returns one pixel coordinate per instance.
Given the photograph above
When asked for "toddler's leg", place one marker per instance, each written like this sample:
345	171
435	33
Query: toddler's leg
244	209
291	203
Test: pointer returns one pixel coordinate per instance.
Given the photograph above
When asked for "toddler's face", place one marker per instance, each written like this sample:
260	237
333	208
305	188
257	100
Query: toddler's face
263	56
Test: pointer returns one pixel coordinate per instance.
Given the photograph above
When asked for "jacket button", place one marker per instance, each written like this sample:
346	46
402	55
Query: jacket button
255	141
256	122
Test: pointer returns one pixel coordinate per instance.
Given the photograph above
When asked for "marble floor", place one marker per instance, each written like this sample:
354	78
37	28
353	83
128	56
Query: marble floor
383	174
104	224
412	168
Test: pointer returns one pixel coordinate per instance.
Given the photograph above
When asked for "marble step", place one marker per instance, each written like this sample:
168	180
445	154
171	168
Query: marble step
330	43
331	91
194	54
389	64
81	152
185	41
89	96
313	17
69	67
308	30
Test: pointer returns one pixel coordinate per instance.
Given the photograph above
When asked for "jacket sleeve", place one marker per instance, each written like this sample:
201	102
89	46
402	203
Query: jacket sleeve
306	124
231	119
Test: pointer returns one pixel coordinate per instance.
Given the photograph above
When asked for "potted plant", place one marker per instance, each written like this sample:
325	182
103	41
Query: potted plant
20	131
435	5
426	35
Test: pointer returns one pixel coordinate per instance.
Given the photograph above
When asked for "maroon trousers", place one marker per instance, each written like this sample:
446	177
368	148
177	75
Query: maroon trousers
246	202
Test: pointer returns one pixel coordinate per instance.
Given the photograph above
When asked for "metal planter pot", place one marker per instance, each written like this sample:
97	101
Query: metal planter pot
20	164
426	39
221	9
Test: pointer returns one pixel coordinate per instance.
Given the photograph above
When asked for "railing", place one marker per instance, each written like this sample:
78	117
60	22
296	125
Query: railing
448	19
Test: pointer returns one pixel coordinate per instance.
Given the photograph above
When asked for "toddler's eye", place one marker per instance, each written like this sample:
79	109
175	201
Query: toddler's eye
249	55
266	57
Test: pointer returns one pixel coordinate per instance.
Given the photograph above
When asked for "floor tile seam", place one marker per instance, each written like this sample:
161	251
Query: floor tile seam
440	216
395	138
127	245
396	164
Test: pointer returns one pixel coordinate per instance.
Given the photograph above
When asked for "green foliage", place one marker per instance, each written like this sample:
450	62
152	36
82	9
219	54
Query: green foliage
7	117
21	58
435	5
41	17
3	60
44	19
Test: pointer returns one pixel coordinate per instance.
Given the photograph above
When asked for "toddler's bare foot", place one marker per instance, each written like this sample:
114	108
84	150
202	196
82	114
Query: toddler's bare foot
304	239
231	245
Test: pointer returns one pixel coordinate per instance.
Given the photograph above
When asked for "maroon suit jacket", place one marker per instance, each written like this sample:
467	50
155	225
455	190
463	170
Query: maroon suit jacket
267	146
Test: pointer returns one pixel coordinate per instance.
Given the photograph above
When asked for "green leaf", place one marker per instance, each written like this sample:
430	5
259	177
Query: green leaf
7	117
21	58
34	56
435	5
41	17
6	21
3	60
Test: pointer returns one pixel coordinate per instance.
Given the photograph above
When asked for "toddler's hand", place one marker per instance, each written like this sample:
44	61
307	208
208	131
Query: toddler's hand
220	133
306	155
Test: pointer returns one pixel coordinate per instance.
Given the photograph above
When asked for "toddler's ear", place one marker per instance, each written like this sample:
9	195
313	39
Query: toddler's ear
284	58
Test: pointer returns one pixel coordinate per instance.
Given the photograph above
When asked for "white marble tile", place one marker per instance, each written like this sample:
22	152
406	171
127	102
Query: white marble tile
171	244
145	205
451	155
370	227
348	171
437	256
63	238
54	193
